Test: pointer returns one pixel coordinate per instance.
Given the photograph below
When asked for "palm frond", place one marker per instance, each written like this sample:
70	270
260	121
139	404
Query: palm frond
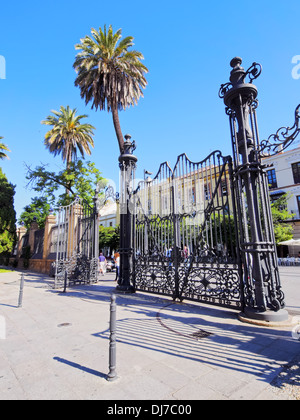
108	74
68	135
3	147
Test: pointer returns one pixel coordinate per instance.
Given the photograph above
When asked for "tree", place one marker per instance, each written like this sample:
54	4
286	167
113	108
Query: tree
7	215
108	74
283	230
68	134
109	237
78	179
37	211
3	147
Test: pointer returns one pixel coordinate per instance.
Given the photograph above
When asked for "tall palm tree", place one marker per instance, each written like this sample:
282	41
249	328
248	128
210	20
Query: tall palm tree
68	135
108	74
3	147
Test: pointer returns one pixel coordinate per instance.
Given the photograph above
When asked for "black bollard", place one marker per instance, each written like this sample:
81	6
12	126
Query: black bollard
21	291
65	281
112	375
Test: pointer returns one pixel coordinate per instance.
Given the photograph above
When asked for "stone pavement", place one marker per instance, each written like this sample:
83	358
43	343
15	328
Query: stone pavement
56	346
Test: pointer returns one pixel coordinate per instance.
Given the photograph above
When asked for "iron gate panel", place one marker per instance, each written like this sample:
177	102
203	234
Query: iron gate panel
77	239
185	232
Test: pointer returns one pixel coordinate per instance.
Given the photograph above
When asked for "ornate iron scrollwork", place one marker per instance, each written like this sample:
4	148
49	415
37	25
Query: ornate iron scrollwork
282	139
253	72
224	89
106	192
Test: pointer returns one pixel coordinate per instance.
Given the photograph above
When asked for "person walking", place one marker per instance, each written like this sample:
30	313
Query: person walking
102	261
117	263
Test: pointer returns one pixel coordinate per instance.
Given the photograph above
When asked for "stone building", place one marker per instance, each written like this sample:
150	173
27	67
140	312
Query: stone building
283	171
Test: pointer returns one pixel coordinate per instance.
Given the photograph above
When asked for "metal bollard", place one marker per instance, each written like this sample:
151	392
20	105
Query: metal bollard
112	375
65	281
21	291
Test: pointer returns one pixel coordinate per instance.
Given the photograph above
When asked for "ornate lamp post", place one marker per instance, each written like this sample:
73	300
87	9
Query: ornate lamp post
263	296
127	163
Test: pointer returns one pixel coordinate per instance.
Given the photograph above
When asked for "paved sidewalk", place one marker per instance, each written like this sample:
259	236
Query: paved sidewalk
56	346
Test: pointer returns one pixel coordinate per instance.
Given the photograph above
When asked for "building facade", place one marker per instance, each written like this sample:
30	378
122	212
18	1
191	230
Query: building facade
283	172
109	215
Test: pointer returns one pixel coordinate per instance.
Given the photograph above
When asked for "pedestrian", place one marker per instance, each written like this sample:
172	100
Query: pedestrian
185	253
117	263
102	261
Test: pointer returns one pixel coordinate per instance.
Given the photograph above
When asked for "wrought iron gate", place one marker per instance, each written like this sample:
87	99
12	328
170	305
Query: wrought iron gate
77	244
186	241
185	232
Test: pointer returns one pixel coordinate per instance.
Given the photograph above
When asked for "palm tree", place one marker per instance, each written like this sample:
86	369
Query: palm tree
68	134
108	74
3	147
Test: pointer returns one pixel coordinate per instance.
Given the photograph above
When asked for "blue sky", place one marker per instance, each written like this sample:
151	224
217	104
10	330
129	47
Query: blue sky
187	48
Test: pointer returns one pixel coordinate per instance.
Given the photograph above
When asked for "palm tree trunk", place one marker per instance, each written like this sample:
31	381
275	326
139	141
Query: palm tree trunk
118	130
67	167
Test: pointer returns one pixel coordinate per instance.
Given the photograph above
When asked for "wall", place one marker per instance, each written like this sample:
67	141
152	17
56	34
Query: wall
40	247
282	163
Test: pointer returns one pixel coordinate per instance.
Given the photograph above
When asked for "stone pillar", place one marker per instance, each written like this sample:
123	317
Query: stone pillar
21	231
33	228
50	221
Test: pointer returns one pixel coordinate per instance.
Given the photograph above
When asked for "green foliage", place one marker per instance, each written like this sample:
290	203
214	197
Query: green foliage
7	215
37	211
79	179
109	237
3	148
68	135
108	74
105	62
222	231
283	230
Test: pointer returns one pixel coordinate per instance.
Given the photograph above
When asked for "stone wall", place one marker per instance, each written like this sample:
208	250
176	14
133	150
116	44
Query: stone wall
39	242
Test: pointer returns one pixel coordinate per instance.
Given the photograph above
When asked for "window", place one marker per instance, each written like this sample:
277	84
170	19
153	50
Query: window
224	188
296	172
298	202
206	192
272	181
275	197
149	207
192	195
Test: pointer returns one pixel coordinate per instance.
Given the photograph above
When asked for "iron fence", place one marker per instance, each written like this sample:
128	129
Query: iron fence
185	232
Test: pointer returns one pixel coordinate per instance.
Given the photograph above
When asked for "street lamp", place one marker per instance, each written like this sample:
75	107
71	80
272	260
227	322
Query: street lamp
263	295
